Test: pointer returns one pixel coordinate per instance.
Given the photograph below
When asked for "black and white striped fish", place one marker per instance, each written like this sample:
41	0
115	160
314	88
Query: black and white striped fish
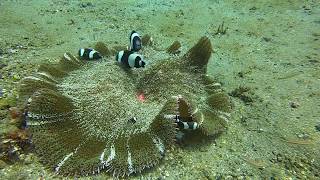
183	123
89	54
130	59
135	42
187	125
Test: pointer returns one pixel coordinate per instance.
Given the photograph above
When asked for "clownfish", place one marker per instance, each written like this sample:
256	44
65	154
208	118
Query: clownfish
135	42
89	54
130	59
185	123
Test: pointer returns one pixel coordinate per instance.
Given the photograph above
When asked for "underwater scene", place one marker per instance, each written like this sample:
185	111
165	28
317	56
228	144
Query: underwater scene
150	89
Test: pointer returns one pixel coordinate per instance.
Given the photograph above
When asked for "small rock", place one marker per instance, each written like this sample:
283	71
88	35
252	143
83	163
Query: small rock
294	104
260	130
266	39
112	26
85	5
303	136
216	85
317	126
253	8
12	51
2	65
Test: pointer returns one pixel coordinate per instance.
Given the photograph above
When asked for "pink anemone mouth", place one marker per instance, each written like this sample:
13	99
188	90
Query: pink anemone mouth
141	97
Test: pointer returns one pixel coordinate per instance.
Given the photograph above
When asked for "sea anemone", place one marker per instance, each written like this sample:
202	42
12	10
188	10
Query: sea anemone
86	116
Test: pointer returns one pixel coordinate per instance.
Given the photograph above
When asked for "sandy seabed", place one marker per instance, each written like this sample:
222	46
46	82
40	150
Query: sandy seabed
267	60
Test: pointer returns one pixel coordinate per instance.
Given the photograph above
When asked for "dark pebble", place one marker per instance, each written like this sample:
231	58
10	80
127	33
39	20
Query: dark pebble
266	39
2	65
306	8
241	74
294	104
317	126
132	120
313	61
85	5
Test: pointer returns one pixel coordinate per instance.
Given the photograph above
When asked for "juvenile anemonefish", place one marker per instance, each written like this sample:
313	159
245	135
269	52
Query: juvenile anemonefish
135	42
89	54
185	125
188	125
130	59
